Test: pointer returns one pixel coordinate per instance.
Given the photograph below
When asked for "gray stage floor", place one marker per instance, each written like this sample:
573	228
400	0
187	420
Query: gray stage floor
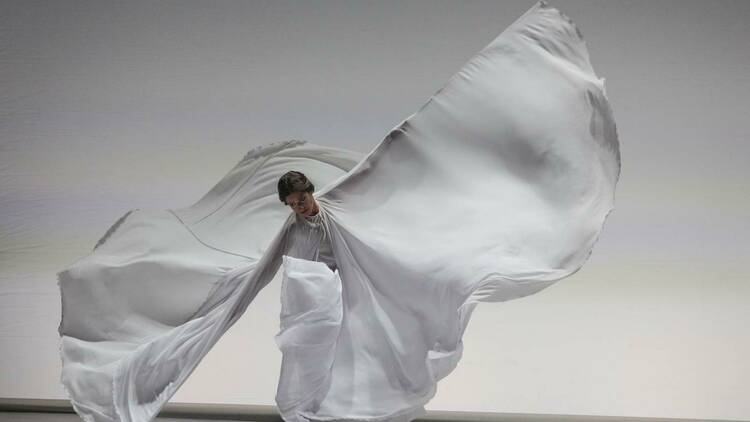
69	417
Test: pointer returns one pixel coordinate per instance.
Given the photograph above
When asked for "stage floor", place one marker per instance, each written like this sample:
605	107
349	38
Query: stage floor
71	417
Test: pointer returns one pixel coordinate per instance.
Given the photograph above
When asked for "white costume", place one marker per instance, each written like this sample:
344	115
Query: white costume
494	189
312	235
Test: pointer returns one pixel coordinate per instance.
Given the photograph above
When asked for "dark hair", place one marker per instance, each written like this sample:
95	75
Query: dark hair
293	181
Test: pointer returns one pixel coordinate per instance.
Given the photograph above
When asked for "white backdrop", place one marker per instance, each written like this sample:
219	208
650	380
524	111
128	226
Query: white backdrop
109	106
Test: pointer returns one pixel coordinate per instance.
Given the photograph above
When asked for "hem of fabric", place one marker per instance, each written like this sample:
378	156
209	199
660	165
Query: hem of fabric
271	148
408	413
77	407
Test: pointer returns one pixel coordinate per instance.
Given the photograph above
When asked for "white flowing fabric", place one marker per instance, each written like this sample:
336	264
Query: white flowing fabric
494	189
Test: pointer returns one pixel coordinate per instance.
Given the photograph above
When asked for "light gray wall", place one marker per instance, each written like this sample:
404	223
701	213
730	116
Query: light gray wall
109	106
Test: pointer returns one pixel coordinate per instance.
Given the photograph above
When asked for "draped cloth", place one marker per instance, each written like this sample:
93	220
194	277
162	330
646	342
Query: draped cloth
494	189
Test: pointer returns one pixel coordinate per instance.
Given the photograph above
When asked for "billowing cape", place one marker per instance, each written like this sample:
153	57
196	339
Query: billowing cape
494	189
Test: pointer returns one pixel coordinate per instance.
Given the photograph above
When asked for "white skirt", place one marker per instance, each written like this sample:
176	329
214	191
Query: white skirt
311	315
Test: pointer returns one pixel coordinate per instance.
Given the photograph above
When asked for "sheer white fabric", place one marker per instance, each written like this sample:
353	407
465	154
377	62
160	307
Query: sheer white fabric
494	189
311	316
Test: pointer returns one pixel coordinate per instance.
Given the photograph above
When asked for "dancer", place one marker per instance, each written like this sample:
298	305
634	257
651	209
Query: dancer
519	149
296	191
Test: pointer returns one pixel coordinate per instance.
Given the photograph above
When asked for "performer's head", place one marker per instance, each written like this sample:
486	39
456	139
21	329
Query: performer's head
296	191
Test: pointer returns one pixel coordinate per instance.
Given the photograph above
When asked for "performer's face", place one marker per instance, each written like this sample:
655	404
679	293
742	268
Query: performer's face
302	203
